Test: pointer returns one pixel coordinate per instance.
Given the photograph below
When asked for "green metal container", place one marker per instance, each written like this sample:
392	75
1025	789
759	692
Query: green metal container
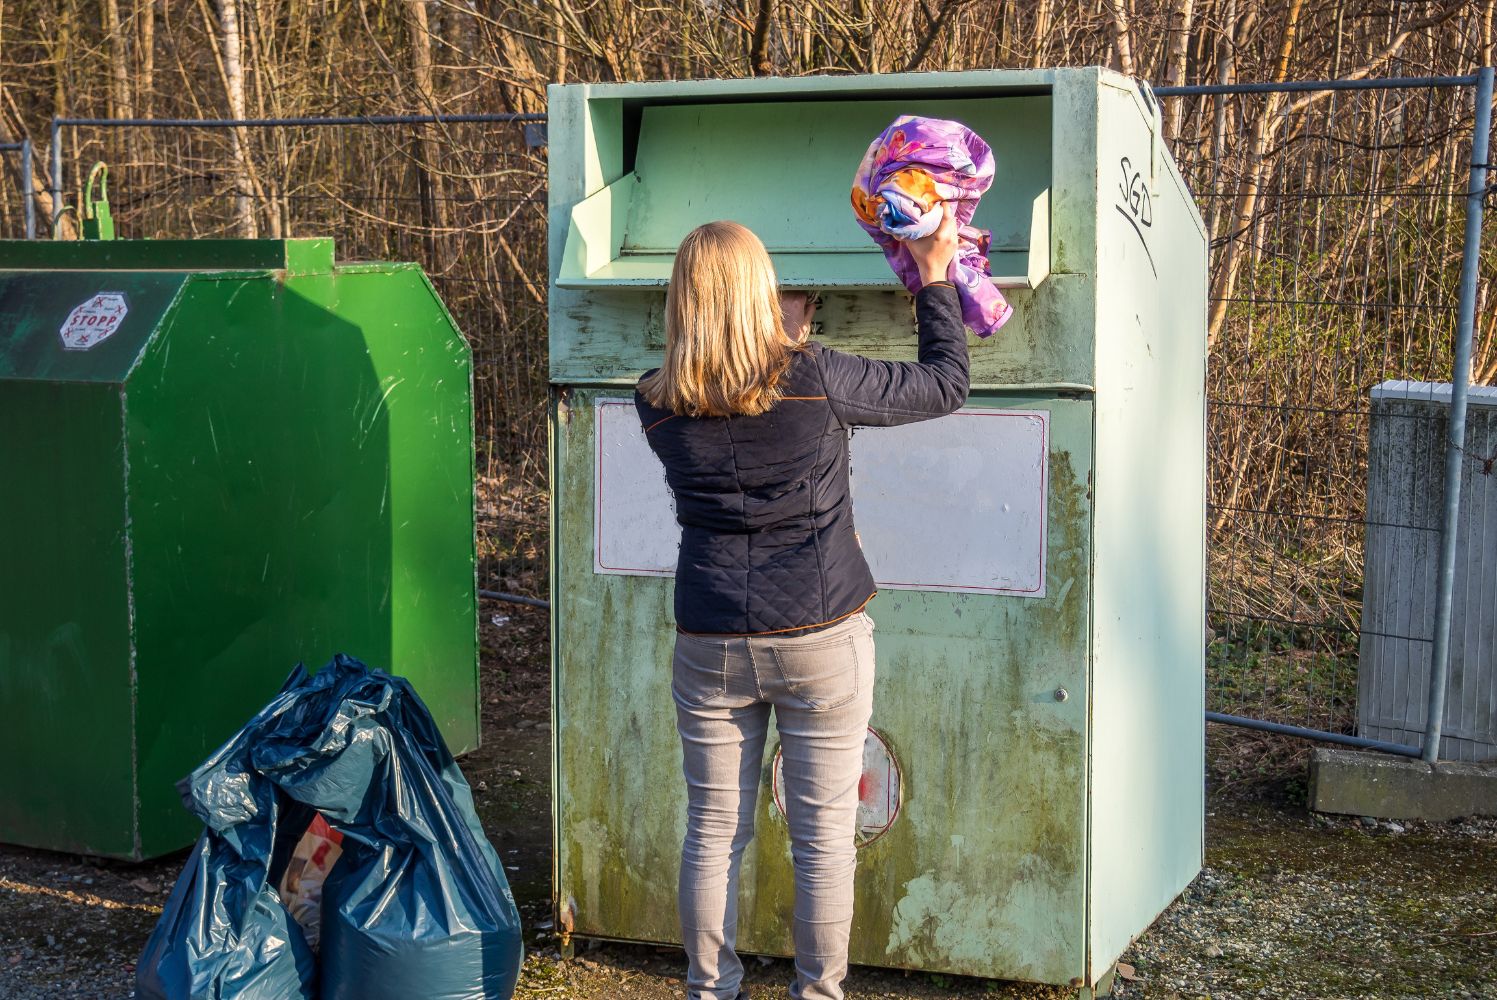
1033	796
220	457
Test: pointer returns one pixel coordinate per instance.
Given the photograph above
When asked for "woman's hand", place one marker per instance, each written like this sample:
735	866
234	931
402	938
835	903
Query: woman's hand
796	311
934	253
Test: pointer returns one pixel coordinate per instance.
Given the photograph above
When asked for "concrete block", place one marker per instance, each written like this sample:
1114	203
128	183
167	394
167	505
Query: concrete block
1365	783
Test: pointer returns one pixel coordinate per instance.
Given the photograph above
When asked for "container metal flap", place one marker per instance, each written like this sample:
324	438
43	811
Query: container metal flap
785	170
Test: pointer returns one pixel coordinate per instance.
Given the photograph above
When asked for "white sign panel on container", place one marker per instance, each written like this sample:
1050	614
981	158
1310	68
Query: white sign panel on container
954	504
634	515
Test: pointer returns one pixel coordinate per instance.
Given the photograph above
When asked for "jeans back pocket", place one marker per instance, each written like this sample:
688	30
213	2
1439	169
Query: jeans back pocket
699	669
822	674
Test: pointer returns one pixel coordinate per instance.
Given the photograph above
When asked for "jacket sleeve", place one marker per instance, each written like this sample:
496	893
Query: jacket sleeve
883	393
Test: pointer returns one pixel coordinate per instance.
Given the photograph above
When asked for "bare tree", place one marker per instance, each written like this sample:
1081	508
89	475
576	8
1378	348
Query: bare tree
1174	76
1122	37
231	68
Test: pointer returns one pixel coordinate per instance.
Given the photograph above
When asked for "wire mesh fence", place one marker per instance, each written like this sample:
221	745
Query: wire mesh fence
1336	218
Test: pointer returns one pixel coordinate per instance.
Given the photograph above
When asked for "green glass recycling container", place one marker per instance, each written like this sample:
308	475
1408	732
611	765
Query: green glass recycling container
220	458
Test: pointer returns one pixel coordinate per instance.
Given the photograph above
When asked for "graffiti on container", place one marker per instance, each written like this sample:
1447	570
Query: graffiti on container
1136	206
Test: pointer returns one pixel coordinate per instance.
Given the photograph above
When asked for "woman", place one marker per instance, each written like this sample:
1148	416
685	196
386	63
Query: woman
751	422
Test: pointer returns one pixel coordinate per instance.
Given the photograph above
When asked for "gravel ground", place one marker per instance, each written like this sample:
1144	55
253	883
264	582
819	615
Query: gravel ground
1289	905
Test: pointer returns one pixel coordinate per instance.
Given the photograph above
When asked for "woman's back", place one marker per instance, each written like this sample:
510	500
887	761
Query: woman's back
767	539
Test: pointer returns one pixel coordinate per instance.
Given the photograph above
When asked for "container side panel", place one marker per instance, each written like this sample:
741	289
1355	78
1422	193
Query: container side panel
67	783
79	326
1073	195
572	168
618	797
1147	780
981	871
424	372
302	487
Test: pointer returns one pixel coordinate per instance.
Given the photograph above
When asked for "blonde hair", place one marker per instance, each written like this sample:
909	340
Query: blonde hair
725	343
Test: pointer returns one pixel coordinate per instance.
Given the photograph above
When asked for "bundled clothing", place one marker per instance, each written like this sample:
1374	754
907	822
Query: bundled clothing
912	167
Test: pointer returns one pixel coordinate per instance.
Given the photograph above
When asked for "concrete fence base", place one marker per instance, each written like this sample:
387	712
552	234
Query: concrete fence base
1363	783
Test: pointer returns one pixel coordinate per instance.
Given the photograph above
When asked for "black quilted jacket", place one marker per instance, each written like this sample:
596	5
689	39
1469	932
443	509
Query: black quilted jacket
767	543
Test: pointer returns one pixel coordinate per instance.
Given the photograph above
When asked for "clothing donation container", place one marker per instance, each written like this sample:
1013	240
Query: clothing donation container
1033	787
221	457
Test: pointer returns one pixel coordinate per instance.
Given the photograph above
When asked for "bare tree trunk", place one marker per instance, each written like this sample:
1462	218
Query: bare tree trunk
1122	46
428	183
758	56
1041	32
264	72
1226	63
146	80
1180	23
558	35
1486	33
62	90
119	67
863	38
233	69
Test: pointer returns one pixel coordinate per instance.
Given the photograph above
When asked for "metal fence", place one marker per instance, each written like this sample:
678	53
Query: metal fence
17	191
1338	209
1342	210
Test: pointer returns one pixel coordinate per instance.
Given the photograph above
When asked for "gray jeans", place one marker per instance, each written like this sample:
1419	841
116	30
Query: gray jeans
821	688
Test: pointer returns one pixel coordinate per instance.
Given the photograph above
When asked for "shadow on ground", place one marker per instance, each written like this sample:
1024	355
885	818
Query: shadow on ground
1290	905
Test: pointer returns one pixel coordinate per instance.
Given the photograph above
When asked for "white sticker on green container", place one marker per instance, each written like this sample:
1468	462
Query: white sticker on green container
93	321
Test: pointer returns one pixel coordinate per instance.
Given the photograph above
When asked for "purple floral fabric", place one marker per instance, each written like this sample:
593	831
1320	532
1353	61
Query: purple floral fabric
912	167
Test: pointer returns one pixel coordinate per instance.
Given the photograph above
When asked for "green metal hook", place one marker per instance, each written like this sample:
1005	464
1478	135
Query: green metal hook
57	217
98	224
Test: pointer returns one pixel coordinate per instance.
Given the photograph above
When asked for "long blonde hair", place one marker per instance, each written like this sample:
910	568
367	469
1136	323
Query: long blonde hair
725	343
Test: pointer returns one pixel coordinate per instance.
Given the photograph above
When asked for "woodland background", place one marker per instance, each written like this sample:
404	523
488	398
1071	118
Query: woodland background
1335	217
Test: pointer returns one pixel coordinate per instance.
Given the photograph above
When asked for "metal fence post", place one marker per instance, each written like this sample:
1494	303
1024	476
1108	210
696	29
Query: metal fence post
56	175
1439	659
28	196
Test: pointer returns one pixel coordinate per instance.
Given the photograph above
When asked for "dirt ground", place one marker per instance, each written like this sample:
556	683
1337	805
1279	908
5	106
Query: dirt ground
1289	904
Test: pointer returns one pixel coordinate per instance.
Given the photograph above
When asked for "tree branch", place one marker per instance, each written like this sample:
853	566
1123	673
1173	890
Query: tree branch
759	63
933	31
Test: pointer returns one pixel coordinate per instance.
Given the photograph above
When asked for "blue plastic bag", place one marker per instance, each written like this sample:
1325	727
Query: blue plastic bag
417	907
